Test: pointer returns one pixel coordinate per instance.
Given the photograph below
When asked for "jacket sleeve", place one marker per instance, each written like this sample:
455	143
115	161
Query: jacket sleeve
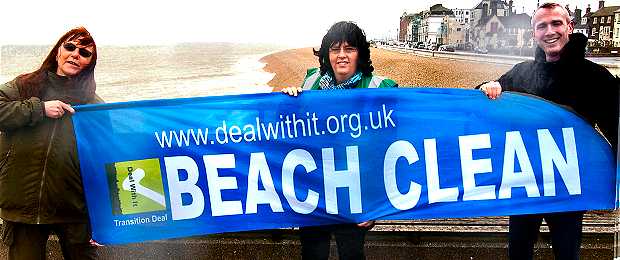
506	81
606	117
16	113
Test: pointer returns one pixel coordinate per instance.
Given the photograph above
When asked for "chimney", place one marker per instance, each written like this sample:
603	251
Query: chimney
588	9
493	8
601	4
510	7
485	10
577	19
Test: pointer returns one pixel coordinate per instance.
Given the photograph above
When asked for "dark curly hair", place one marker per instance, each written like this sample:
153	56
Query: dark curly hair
345	32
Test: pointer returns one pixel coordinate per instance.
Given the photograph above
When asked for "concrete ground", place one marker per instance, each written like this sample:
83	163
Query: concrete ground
480	238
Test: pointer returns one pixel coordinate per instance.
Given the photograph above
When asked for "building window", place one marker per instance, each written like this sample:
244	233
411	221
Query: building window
593	31
595	20
584	20
609	19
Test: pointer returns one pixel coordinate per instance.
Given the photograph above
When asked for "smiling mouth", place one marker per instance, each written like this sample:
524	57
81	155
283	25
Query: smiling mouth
342	62
551	41
73	63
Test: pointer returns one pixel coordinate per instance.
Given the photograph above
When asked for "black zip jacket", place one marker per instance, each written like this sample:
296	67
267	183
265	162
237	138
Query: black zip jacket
574	82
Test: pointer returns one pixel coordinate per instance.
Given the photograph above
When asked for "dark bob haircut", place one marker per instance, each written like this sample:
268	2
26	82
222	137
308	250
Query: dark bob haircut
345	32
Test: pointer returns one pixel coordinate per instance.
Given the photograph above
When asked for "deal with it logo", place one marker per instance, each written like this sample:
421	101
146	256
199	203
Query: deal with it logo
136	187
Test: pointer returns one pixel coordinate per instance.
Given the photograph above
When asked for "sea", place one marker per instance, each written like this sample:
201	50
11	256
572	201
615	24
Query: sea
128	73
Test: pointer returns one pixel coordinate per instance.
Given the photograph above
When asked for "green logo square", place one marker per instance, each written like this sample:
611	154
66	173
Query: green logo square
136	186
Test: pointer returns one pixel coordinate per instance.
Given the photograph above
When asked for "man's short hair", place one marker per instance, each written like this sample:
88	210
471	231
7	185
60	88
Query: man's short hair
552	6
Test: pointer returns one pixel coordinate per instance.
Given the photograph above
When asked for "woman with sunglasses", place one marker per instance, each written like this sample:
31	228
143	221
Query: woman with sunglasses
40	184
344	59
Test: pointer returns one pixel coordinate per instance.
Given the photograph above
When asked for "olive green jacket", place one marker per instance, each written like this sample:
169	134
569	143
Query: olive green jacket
40	180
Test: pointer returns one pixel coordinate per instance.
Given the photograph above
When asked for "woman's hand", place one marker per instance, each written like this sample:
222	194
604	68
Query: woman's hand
292	91
94	243
56	108
367	224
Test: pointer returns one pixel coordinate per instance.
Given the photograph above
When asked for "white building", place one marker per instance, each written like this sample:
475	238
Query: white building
432	25
617	29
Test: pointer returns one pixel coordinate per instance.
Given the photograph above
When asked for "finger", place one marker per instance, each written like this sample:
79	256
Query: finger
497	91
67	107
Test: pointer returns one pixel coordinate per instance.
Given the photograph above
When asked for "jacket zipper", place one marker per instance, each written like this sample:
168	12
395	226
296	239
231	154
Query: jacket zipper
47	154
6	156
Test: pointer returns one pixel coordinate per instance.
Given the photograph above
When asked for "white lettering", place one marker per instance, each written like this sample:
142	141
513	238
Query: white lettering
568	168
177	187
470	167
260	170
349	178
291	161
394	152
217	183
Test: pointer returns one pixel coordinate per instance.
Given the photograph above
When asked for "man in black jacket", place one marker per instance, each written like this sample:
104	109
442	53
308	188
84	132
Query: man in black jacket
560	74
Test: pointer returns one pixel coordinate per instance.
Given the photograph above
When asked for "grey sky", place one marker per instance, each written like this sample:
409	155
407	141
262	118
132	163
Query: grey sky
294	23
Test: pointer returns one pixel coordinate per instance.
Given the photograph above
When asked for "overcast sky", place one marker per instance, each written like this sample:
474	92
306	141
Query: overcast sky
289	22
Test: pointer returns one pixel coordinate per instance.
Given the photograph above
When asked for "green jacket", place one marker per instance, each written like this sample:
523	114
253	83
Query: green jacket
40	180
313	76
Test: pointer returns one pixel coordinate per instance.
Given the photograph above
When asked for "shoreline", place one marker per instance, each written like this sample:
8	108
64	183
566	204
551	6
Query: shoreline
289	67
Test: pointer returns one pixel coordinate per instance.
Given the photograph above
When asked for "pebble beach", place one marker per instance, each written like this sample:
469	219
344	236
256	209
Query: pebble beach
407	70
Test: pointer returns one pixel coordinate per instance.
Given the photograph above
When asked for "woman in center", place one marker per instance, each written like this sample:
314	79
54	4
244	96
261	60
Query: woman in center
344	59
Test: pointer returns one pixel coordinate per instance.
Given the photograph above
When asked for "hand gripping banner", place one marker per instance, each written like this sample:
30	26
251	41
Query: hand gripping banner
182	167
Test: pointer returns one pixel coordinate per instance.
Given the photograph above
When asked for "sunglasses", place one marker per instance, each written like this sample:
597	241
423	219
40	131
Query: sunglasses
82	51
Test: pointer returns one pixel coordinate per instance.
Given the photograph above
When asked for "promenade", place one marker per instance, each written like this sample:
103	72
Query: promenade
470	238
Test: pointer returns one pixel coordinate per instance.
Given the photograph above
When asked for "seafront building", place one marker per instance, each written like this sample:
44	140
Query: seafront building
601	37
616	32
491	23
495	25
583	23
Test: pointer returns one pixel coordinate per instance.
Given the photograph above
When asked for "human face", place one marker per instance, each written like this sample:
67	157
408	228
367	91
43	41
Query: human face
72	62
343	59
551	30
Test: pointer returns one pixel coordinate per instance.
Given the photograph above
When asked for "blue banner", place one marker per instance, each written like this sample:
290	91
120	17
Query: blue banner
175	168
